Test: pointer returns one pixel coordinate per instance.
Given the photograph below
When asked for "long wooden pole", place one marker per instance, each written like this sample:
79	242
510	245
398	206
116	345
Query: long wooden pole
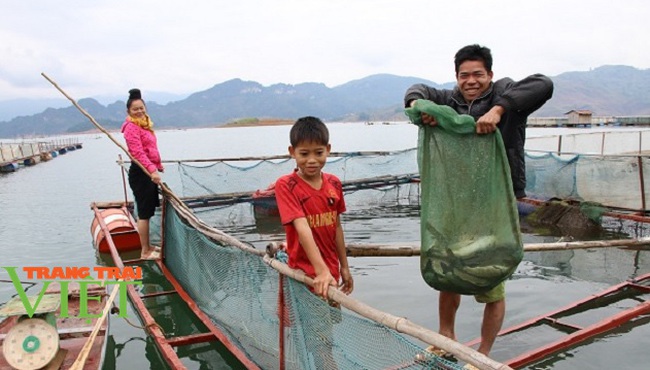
125	150
95	123
399	324
383	250
83	354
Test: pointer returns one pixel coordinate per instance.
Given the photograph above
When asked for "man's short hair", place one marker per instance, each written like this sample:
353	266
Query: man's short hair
309	129
474	52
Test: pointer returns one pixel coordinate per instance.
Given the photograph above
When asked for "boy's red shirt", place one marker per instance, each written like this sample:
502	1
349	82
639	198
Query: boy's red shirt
321	208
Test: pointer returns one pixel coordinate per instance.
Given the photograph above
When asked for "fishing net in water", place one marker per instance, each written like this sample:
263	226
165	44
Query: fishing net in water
233	192
609	179
470	240
618	181
194	179
241	294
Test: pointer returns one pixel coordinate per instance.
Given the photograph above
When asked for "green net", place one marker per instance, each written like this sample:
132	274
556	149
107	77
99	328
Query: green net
192	179
470	240
241	295
611	180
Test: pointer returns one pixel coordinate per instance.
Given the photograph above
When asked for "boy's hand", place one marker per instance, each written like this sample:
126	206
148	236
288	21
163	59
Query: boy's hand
347	284
322	281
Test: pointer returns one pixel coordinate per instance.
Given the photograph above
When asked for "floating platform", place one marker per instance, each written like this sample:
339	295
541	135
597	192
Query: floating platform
25	154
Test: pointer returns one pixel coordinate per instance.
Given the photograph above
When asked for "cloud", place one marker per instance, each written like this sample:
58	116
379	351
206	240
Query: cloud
105	47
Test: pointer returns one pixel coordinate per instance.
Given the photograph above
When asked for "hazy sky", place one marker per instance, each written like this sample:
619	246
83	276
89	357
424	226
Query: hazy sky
105	47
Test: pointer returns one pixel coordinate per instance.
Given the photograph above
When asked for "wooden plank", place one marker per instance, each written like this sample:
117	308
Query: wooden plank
191	339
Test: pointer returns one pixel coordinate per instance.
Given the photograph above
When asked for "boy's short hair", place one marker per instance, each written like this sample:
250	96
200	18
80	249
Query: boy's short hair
309	130
474	52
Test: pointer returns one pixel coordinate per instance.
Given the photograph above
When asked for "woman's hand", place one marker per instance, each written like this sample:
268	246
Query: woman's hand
155	177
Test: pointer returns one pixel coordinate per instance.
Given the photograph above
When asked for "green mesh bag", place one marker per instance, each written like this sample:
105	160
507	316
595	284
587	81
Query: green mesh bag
469	222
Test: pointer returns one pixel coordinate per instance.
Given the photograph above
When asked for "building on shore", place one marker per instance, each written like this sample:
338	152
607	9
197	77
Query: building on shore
585	118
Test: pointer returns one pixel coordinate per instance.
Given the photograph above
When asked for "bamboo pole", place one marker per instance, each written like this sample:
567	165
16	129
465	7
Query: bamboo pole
283	156
536	247
95	123
83	354
179	205
399	324
164	187
384	250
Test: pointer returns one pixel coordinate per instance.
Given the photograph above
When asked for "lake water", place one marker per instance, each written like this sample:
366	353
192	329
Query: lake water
45	221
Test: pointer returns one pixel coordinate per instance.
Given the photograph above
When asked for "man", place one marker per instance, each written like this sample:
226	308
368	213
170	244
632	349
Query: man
506	105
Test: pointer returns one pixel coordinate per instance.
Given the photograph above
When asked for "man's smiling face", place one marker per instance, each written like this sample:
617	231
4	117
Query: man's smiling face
473	79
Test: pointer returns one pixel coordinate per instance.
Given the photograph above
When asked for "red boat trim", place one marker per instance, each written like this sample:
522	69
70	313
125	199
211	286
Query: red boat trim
153	329
166	345
205	319
191	339
581	334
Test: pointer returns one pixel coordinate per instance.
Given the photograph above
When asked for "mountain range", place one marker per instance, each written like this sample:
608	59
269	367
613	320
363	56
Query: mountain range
607	90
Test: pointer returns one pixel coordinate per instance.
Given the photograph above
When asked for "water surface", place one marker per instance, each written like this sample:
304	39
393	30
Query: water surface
45	221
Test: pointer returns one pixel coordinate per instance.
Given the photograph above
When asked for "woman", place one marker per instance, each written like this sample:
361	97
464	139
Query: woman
142	144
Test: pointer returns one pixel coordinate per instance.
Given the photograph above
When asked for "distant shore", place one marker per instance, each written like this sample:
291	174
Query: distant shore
258	122
242	123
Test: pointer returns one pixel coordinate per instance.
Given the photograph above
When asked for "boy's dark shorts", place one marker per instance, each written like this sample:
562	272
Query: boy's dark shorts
145	192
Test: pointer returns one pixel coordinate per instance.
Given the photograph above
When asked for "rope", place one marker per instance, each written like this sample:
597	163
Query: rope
145	328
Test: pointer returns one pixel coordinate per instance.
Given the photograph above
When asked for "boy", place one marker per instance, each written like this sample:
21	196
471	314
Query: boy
310	203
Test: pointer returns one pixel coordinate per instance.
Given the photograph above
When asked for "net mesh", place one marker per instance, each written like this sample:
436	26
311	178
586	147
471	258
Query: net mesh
607	167
195	179
464	252
240	293
610	180
613	180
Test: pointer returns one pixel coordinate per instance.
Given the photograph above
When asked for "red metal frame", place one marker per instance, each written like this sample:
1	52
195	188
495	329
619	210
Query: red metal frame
156	333
581	333
205	319
282	314
166	345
